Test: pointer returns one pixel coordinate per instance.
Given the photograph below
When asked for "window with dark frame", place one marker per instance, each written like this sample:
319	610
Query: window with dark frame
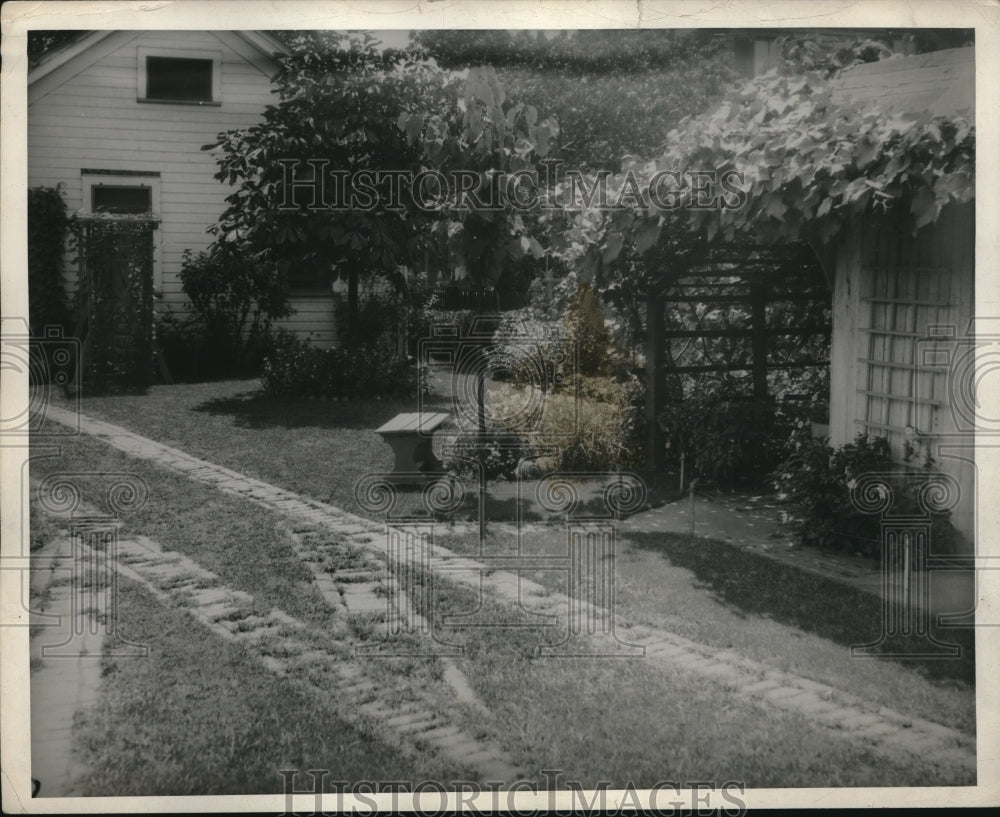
179	79
120	199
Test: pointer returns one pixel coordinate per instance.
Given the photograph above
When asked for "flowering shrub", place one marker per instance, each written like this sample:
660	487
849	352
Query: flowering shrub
295	368
526	350
815	482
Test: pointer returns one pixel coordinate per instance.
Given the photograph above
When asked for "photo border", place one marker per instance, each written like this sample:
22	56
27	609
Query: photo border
20	17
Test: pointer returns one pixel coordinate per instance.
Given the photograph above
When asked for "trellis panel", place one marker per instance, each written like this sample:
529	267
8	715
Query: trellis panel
115	315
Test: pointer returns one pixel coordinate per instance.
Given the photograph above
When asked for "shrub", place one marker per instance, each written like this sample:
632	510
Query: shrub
234	297
499	453
190	354
726	436
600	430
586	334
295	368
815	483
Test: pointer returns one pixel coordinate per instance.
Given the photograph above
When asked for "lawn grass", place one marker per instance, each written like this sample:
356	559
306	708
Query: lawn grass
319	448
242	542
795	621
622	720
710	592
202	716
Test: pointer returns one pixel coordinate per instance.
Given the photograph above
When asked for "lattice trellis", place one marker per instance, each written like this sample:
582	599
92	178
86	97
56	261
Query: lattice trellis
902	391
115	300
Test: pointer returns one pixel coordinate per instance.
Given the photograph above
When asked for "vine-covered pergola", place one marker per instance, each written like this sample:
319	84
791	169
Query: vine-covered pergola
755	284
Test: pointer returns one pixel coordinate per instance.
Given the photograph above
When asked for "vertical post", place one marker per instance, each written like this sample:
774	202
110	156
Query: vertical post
758	318
691	508
481	429
655	380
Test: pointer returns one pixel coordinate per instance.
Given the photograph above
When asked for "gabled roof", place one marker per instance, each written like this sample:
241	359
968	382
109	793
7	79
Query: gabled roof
73	55
941	82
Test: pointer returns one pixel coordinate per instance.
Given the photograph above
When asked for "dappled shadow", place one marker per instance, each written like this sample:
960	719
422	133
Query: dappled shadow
256	409
510	502
753	584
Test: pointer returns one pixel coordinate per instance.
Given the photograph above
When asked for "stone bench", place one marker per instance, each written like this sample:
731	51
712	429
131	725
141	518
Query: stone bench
409	436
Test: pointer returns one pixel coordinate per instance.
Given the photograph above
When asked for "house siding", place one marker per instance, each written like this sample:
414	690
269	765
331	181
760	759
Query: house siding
85	115
949	245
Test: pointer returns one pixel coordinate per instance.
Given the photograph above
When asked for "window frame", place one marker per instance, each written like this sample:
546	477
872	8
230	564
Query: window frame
142	76
118	178
103	186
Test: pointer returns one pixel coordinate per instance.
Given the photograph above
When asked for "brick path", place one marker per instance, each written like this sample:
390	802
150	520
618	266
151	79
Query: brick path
883	730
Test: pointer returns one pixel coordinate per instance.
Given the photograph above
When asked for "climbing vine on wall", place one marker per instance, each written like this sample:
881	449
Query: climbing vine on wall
116	298
47	228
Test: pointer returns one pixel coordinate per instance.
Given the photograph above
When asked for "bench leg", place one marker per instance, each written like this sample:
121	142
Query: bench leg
414	454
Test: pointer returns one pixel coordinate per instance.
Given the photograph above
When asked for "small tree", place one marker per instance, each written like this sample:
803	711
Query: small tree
339	99
586	332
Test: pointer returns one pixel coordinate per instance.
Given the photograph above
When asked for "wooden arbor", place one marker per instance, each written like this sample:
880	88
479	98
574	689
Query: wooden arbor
729	311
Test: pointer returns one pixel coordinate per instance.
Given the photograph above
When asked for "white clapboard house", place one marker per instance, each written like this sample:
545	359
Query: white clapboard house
118	119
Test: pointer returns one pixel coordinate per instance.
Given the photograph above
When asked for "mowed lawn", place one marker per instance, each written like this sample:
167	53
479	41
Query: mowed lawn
316	447
596	719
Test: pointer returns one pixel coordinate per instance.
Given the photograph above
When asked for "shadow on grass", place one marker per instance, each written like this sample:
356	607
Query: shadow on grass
508	502
754	584
256	409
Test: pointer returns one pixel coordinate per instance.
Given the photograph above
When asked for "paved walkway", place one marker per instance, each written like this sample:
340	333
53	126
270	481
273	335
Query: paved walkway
752	524
883	730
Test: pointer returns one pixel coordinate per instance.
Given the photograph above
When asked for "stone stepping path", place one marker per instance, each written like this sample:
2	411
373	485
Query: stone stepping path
363	588
885	731
293	649
882	730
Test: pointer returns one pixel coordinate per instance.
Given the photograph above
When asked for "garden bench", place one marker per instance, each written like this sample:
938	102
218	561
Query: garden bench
409	436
